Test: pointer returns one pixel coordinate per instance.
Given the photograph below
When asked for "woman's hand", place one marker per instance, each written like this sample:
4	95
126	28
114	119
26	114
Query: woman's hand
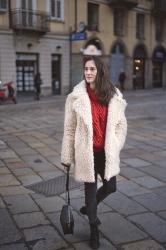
66	167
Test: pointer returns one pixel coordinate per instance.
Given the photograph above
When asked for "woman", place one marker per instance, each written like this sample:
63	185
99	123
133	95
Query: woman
94	133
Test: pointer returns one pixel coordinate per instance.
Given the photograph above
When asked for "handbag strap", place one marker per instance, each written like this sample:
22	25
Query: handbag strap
67	187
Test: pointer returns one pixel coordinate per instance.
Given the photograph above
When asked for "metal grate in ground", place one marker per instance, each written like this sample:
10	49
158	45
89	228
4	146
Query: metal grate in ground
54	186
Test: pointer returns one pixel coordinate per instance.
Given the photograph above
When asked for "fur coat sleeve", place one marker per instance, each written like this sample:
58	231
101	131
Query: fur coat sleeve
67	154
121	128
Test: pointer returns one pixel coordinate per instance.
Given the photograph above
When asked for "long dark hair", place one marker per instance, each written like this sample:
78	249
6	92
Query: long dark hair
103	86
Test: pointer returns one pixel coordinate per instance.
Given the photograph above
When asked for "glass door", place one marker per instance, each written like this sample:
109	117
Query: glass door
25	75
56	74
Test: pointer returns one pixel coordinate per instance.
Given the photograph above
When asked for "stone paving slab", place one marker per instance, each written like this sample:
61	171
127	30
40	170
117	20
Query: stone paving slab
8	180
25	151
14	190
29	179
152	224
4	170
104	245
156	171
23	171
130	188
8	231
30	219
17	165
148	182
13	160
51	204
14	247
130	172
143	245
119	230
162	214
21	204
136	162
152	157
46	151
8	153
129	206
151	201
44	237
50	174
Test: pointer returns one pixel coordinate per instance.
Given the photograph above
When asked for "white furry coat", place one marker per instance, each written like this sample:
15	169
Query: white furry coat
77	144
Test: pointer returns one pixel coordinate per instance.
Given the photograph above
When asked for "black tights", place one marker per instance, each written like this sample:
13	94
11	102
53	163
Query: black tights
93	196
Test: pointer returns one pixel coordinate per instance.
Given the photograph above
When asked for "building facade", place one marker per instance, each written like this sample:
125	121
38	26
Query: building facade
129	34
34	37
52	36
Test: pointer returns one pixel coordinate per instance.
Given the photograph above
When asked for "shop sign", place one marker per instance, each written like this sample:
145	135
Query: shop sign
78	36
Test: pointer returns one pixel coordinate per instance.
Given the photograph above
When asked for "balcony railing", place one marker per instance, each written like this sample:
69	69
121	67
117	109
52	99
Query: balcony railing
159	7
123	3
31	20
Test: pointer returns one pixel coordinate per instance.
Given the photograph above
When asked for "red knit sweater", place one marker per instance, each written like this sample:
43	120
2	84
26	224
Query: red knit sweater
99	119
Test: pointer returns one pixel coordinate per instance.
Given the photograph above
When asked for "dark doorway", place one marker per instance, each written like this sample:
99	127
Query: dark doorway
138	76
117	62
159	56
139	68
56	74
157	74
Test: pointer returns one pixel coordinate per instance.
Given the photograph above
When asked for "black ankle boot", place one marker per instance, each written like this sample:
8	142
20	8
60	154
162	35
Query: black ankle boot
83	210
94	236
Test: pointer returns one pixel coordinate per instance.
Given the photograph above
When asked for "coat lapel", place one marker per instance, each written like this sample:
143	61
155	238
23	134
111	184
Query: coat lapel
81	104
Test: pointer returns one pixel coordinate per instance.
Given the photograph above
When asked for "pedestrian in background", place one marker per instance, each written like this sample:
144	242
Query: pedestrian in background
37	85
94	133
122	79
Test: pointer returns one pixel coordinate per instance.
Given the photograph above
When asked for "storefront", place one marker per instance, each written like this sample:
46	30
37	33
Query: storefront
159	57
26	68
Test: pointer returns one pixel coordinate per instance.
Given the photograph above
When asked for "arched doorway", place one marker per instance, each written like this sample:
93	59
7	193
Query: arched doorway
117	61
159	56
139	67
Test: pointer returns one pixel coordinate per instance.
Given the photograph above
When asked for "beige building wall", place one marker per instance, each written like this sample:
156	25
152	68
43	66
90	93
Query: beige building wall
57	41
54	42
108	39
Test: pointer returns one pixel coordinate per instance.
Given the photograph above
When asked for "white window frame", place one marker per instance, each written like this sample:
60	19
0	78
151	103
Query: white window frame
3	9
34	4
61	18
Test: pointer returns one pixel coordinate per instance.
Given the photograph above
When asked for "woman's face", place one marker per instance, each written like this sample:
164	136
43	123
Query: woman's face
90	71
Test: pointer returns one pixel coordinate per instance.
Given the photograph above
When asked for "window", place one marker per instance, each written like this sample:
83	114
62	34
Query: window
140	26
56	9
3	5
119	18
93	17
159	28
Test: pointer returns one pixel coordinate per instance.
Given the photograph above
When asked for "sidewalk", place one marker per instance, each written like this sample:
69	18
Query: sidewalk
133	218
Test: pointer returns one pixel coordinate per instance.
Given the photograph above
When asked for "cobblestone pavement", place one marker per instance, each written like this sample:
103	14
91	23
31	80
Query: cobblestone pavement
133	218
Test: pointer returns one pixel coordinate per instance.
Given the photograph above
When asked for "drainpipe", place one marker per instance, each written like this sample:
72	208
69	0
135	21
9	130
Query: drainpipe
75	15
9	11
